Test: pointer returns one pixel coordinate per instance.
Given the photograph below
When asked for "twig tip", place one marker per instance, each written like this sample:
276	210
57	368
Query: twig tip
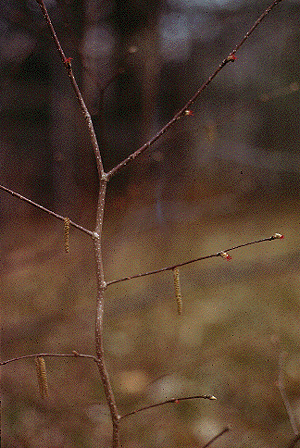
277	236
231	58
225	255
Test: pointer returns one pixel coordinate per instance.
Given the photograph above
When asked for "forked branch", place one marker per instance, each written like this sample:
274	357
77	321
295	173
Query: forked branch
97	233
230	58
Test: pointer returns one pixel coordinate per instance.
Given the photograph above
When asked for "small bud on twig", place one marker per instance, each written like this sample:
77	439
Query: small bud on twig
225	255
277	236
231	58
67	61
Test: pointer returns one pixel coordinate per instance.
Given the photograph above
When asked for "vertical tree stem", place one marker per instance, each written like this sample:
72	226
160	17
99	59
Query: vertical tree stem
110	399
101	286
97	235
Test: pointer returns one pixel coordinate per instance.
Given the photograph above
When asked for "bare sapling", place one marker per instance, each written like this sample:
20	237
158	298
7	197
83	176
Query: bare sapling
104	177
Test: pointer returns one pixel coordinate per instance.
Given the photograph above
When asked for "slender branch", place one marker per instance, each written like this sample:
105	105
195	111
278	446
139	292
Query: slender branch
44	209
110	398
284	396
222	253
74	354
226	429
97	234
86	114
230	58
255	25
171	400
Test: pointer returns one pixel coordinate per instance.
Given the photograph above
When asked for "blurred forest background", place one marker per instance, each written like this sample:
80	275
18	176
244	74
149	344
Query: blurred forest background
224	176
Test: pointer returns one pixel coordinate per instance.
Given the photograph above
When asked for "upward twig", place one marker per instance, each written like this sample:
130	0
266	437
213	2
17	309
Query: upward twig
67	63
230	58
97	238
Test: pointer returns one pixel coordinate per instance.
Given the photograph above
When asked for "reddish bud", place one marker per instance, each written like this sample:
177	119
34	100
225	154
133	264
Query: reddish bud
176	401
68	60
189	113
231	57
278	236
225	255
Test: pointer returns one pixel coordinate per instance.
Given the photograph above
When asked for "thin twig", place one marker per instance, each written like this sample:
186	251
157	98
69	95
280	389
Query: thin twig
226	429
205	257
230	58
74	354
258	21
284	396
44	209
97	238
67	63
171	400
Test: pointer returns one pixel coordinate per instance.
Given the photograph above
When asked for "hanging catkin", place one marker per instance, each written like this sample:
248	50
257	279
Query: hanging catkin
177	288
42	376
67	234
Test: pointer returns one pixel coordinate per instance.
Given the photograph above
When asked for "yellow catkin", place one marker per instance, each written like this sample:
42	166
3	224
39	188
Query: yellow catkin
67	234
42	376
177	288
